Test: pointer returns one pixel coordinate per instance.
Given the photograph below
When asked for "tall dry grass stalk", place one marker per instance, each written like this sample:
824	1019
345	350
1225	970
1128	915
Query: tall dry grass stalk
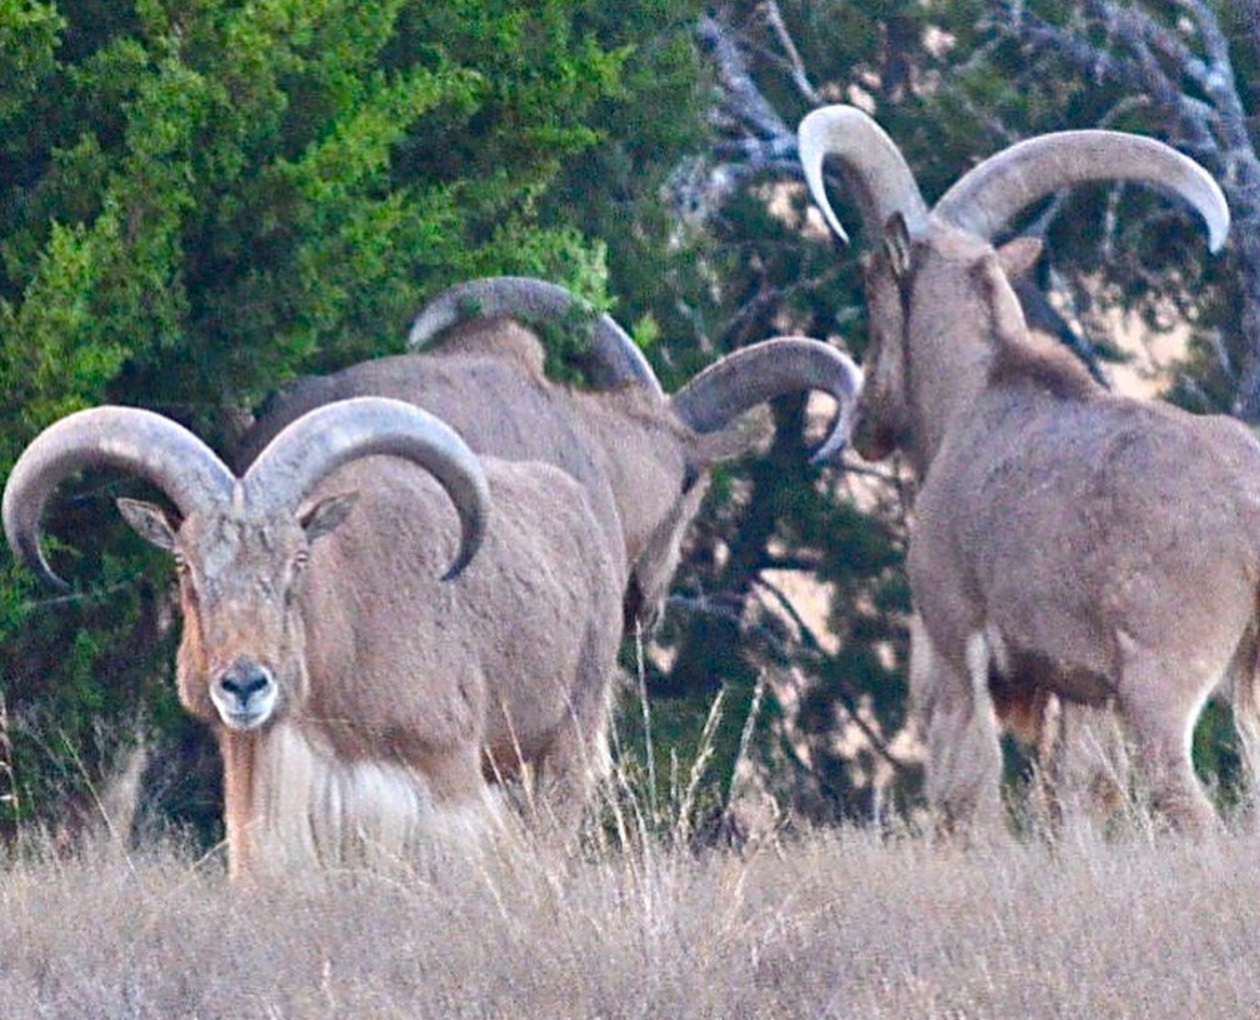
697	806
845	923
10	804
849	922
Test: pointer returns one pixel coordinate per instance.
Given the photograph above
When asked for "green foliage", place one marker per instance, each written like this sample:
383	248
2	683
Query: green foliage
201	201
951	86
28	38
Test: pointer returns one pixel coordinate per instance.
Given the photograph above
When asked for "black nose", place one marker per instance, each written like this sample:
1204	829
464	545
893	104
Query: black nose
243	679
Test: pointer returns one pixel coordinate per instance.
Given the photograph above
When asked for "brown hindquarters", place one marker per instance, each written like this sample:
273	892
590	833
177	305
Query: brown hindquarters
1021	708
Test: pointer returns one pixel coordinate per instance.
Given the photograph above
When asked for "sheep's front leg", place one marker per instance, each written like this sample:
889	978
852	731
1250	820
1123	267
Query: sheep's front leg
964	756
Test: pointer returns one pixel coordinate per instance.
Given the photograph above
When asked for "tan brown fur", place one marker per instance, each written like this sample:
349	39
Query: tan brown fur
1054	370
640	458
1100	547
644	471
395	685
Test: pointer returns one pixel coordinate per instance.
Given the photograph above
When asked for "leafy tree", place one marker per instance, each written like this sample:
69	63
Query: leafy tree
200	201
953	82
773	520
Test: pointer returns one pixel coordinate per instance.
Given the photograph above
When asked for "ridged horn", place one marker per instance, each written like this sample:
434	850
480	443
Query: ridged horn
315	445
772	368
991	194
873	167
140	442
618	359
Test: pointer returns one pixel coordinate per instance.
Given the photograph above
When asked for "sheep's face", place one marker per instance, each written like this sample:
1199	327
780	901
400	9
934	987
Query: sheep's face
931	300
653	572
669	484
242	653
882	417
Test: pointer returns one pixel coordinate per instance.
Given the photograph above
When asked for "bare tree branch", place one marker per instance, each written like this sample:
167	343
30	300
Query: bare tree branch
774	17
753	137
1151	60
1251	12
807	647
741	99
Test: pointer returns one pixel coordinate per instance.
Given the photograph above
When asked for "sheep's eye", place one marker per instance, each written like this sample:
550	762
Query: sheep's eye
184	574
300	560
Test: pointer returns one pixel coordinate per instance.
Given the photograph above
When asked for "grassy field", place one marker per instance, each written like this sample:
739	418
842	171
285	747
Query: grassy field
839	924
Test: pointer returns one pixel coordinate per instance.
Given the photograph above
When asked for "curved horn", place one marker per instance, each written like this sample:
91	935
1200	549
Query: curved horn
873	165
321	441
618	359
140	442
772	368
991	194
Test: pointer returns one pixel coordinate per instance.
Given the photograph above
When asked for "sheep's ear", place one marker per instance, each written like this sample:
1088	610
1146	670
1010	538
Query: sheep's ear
995	286
897	245
322	518
148	521
1018	257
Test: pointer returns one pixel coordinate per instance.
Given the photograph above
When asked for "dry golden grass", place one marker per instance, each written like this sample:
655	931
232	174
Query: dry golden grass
839	924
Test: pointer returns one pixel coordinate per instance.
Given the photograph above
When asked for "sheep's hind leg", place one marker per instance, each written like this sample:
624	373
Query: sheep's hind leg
1161	714
577	760
964	756
1245	687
